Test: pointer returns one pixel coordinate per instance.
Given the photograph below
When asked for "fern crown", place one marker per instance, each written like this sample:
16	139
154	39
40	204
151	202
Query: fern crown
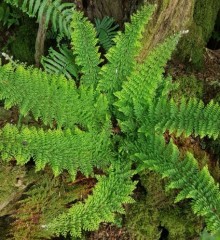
74	121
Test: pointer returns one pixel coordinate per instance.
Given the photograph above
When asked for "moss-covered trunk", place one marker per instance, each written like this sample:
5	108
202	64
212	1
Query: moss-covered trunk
192	47
171	16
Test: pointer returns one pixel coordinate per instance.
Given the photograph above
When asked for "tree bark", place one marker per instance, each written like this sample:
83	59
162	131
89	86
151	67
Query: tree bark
40	40
170	16
120	10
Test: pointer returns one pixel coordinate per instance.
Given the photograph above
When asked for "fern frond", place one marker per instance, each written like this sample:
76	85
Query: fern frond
184	175
140	89
62	150
84	43
121	57
106	31
56	12
108	196
51	97
62	62
187	117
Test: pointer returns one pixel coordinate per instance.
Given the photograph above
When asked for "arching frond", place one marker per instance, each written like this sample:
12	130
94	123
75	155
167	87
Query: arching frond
187	117
51	98
108	196
56	12
184	174
121	57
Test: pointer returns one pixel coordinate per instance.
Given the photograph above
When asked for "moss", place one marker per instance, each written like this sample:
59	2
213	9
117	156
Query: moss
189	87
23	45
42	202
192	46
180	223
155	211
165	3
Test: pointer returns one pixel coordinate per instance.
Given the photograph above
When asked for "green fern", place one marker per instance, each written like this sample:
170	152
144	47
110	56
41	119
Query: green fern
108	194
84	45
62	62
56	12
62	150
57	99
106	31
127	47
8	16
183	174
75	134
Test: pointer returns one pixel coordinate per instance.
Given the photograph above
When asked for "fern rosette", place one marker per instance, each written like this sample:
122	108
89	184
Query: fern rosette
75	120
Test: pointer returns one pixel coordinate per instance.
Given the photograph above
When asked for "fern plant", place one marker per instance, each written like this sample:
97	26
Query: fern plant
106	31
61	62
8	16
56	12
78	120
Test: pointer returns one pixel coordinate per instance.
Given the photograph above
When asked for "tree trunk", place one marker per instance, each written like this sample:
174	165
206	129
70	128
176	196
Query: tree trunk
171	16
120	10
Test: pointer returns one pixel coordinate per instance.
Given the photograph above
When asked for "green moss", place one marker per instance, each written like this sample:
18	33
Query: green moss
192	46
165	3
156	211
42	202
189	87
180	223
23	45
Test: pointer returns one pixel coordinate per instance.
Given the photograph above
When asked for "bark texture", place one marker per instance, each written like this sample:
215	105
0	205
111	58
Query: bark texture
171	16
40	41
120	10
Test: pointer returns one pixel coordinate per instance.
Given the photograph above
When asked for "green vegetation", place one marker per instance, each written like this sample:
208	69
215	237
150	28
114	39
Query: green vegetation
92	124
200	30
155	211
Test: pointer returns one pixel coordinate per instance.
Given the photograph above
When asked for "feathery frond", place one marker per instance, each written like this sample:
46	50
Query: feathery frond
106	31
139	91
51	97
62	150
184	174
108	196
62	62
187	117
84	44
121	57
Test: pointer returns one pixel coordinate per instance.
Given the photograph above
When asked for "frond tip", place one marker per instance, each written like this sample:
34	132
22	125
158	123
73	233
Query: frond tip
85	47
108	196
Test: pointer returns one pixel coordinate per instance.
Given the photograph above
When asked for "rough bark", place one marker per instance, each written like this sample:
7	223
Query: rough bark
40	40
171	16
120	10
